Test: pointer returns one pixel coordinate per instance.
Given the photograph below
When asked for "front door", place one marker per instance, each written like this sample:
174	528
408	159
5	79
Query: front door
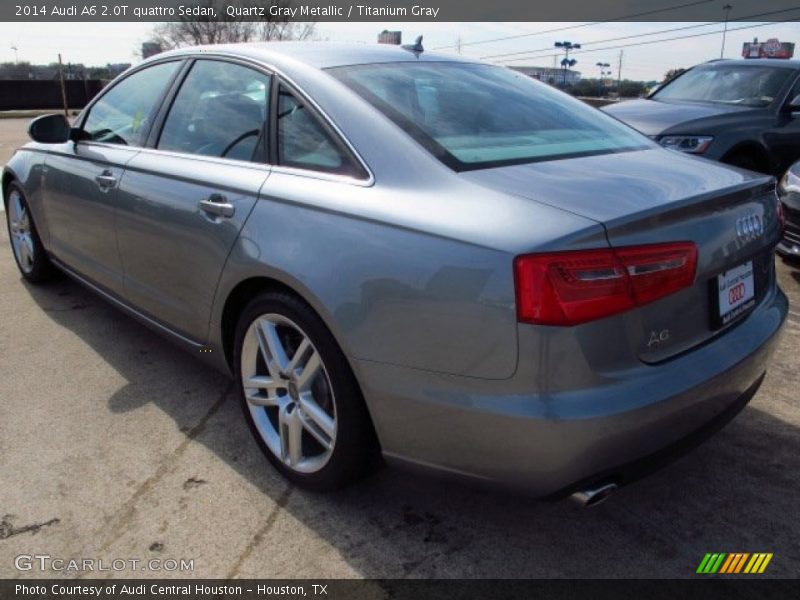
82	178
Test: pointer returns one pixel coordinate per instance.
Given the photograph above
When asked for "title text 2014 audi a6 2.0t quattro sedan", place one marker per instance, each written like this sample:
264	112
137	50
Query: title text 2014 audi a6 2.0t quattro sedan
432	258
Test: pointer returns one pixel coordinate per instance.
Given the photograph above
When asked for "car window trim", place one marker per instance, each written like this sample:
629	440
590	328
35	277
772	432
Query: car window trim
272	142
160	121
276	74
166	103
338	139
81	121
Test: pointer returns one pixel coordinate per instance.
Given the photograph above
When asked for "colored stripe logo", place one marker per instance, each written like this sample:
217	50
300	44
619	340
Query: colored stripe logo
735	562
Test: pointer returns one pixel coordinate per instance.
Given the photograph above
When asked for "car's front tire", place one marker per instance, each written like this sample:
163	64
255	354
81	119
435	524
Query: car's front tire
29	253
747	159
299	395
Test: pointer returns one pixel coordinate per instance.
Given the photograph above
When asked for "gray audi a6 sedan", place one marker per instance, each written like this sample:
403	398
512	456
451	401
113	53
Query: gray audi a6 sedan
423	256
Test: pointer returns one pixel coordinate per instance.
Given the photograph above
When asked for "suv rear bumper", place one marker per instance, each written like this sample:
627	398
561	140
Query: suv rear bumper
548	444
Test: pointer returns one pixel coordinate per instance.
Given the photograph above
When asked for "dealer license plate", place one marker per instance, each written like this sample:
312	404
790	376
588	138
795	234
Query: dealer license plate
736	289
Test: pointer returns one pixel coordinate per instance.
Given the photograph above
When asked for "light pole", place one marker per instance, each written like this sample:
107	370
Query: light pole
16	57
603	73
727	8
566	62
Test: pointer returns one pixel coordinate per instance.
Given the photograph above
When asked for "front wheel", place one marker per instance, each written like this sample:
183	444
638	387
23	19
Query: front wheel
32	260
299	395
745	159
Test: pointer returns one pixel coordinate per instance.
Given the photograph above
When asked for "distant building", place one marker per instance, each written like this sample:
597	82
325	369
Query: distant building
551	75
390	37
772	48
150	49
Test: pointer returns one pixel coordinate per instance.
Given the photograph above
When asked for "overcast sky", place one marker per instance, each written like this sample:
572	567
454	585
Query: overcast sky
101	43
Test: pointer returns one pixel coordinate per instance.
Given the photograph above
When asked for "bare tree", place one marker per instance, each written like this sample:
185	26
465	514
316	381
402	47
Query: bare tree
672	74
227	29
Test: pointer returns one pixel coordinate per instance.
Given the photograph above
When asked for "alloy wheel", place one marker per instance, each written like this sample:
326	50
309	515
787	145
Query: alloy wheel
288	393
21	234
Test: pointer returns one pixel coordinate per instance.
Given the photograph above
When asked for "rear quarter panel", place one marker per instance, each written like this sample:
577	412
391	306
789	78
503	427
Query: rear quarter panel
389	294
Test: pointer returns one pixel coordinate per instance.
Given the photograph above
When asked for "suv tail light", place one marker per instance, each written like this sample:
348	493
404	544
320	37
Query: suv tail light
568	288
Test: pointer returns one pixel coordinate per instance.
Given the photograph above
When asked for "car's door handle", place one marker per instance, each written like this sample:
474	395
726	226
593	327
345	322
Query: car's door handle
217	205
106	180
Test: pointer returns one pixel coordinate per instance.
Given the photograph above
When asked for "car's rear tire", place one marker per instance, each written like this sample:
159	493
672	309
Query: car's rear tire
29	253
299	395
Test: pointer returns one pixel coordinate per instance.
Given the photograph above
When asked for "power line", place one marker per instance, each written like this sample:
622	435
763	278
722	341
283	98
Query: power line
682	37
623	18
600	41
638	35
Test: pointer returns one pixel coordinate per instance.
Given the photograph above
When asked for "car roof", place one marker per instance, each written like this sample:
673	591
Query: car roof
753	62
321	55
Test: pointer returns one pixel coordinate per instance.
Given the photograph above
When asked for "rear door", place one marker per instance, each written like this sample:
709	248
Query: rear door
187	196
82	179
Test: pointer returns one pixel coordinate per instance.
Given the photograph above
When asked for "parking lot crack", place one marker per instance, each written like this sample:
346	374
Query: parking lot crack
121	521
7	528
254	542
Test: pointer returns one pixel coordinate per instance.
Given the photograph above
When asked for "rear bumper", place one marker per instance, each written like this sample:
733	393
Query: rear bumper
549	443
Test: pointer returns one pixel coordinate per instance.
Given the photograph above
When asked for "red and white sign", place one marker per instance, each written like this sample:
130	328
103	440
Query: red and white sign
772	48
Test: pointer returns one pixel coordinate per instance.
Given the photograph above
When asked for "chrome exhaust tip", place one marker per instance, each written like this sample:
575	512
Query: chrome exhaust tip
594	496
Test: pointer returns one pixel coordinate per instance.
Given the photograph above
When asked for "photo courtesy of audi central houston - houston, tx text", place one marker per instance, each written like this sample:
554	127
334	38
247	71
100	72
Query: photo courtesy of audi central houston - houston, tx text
400	300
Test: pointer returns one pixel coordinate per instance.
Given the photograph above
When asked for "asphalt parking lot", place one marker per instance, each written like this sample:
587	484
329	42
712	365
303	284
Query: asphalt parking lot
115	445
13	133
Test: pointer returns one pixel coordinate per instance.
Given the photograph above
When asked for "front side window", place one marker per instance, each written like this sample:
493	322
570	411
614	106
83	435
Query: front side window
473	116
220	111
124	114
304	143
745	85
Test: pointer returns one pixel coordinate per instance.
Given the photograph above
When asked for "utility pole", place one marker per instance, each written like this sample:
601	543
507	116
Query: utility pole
727	8
16	57
603	73
63	88
619	75
458	44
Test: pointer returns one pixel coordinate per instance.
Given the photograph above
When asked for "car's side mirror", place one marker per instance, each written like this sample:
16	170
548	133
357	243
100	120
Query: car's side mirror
50	129
793	105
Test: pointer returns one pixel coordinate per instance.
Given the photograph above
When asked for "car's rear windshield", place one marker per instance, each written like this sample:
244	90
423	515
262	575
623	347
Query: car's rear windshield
473	116
745	85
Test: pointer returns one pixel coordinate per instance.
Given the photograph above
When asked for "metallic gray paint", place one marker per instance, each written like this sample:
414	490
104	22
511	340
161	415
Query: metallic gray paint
412	272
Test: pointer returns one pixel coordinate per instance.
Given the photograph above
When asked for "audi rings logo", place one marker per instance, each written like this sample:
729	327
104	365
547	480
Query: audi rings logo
749	227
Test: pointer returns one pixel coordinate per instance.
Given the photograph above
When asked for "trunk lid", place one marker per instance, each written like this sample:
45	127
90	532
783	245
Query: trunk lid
656	196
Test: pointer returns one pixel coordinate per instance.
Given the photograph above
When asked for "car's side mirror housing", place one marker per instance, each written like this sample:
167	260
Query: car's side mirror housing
50	129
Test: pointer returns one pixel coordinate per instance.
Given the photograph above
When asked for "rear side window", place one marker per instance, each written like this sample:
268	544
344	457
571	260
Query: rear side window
221	111
123	115
305	143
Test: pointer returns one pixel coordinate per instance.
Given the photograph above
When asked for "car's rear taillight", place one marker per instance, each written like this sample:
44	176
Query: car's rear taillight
567	288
